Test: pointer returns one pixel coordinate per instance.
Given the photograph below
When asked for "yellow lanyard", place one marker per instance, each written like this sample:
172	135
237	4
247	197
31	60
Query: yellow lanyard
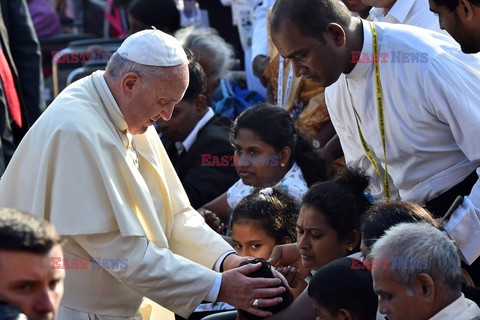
381	120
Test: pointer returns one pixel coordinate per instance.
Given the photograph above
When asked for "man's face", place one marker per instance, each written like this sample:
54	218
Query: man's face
395	301
28	282
317	61
462	31
184	118
145	105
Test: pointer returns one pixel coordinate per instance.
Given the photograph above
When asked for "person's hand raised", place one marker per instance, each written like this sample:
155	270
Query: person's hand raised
286	258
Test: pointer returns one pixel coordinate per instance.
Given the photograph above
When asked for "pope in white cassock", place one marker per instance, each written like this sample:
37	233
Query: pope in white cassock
94	166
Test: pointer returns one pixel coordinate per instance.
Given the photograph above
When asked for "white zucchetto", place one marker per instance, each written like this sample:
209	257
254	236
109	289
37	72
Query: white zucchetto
153	47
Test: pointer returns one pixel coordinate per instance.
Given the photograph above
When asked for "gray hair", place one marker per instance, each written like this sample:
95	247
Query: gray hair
420	248
118	66
206	42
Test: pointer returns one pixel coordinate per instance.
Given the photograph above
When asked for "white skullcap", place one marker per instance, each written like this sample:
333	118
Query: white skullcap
153	47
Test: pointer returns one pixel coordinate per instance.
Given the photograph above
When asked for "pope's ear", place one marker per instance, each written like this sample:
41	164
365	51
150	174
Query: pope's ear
129	82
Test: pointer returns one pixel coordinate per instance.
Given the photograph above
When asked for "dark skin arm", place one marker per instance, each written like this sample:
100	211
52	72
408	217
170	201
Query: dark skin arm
301	308
331	151
220	207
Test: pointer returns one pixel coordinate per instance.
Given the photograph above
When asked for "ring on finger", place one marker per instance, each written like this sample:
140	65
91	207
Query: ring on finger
255	303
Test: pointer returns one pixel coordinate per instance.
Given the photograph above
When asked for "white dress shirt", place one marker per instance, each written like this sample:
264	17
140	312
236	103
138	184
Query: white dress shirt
192	136
411	12
432	117
460	309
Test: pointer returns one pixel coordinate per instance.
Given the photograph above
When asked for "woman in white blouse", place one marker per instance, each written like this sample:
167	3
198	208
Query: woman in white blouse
269	152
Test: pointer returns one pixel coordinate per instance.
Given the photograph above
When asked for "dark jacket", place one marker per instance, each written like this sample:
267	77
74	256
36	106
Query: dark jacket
205	181
22	50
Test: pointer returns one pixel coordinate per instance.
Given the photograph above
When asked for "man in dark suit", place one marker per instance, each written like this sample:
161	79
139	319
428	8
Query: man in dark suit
196	141
21	51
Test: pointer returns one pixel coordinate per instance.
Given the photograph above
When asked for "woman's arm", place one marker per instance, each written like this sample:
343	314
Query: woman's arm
218	206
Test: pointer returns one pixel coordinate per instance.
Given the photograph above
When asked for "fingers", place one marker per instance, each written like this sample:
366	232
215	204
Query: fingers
269	293
249	268
263	303
276	256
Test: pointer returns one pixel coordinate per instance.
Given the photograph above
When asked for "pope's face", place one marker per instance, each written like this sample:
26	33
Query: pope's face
28	282
151	99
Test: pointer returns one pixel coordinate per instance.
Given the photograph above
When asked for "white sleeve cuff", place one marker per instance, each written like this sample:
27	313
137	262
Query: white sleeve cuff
213	293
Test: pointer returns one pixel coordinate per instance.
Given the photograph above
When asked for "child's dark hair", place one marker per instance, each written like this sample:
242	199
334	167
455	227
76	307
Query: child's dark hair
266	272
338	286
382	216
274	210
342	201
275	127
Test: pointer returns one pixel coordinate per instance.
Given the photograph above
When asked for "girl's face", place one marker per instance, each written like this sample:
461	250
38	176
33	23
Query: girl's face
249	239
317	242
257	163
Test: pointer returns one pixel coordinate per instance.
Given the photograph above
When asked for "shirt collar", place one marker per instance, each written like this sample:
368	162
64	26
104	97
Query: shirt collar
452	310
190	139
397	14
360	68
114	112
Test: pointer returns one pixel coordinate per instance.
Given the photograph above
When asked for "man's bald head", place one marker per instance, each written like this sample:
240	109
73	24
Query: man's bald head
310	16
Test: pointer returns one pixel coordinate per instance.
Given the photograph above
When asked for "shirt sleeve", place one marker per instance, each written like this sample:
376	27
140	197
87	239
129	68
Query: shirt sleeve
455	102
156	273
260	36
464	225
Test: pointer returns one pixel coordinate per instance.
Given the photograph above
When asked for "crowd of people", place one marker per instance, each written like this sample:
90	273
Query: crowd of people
294	159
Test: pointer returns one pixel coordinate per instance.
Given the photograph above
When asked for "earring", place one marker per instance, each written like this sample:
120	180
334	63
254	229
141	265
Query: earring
282	165
350	248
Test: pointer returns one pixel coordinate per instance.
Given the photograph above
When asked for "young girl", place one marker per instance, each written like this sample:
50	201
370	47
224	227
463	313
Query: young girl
263	220
269	152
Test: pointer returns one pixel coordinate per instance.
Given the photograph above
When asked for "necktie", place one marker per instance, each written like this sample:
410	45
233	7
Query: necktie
11	94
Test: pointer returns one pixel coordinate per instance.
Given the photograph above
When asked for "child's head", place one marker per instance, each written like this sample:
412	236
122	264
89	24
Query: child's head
266	271
382	216
339	291
267	143
328	225
263	220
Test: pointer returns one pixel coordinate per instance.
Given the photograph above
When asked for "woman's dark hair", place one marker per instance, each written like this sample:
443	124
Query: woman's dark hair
274	210
275	127
382	216
338	286
342	201
265	271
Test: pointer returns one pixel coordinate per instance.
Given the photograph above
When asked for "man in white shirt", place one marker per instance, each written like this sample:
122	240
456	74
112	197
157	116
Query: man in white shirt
460	18
411	12
423	277
94	166
428	101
